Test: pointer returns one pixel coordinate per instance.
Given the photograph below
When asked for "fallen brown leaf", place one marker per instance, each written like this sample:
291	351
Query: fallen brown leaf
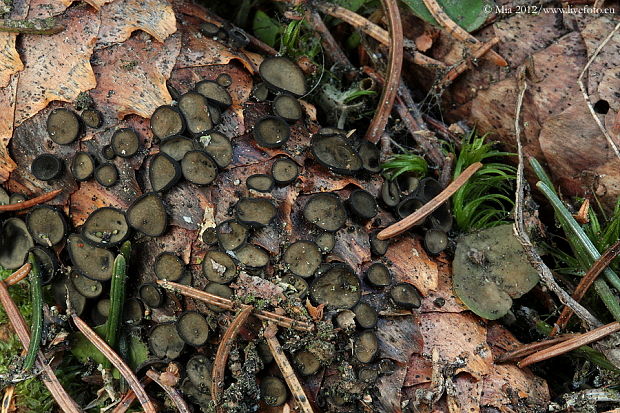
315	312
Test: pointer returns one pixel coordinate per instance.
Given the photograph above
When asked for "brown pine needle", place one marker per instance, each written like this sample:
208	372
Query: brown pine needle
571	344
227	304
129	397
221	357
417	216
173	393
66	403
30	202
18	275
118	362
585	283
457	31
527	349
287	370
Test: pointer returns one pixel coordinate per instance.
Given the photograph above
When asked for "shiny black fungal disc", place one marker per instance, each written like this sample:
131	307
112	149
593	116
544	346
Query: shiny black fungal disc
195	109
85	286
165	342
177	146
219	267
408	206
337	288
336	154
216	114
219	147
167	121
108	152
378	246
92	118
271	132
273	391
133	311
326	211
47	167
435	241
260	92
260	182
297	286
17	198
284	171
90	261
303	258
193	328
105	227
214	92
281	74
125	142
378	275
390	193
199	168
231	234
224	80
169	266
15	242
63	290
106	174
368	374
48	264
407	183
287	107
326	241
5	198
252	256
365	346
100	312
405	295
370	155
148	215
428	189
152	295
365	315
220	290
82	166
198	370
362	204
47	225
63	126
164	172
255	212
306	362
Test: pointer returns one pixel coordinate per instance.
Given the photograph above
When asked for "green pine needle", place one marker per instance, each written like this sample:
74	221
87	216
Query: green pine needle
406	162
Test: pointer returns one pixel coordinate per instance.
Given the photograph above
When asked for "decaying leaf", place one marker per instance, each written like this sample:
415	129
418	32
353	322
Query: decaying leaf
411	264
10	63
490	269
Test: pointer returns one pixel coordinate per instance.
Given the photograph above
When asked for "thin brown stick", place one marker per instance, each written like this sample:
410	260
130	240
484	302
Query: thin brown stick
330	46
130	397
442	129
221	357
287	370
31	26
464	65
527	349
30	202
118	362
571	344
419	215
392	80
457	32
374	31
585	283
18	275
227	304
173	393
60	395
545	274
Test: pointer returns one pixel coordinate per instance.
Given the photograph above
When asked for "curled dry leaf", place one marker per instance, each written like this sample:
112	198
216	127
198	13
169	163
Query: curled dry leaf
315	312
10	63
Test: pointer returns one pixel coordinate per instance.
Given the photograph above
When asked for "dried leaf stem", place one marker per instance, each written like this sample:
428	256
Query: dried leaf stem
527	349
31	26
173	393
30	202
66	403
571	344
585	283
227	304
125	371
18	275
130	397
287	370
457	31
408	222
221	357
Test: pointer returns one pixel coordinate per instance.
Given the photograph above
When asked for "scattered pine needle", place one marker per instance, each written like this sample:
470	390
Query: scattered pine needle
18	275
130	397
173	393
30	202
527	349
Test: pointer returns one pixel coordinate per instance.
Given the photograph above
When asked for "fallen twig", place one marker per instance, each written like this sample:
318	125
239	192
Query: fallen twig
571	344
519	225
585	283
330	46
18	275
527	349
221	357
582	86
464	65
392	80
130	397
442	130
31	26
118	362
227	304
287	370
457	32
60	395
419	215
173	393
30	202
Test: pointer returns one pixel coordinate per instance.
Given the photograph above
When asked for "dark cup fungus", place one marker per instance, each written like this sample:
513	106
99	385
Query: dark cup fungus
326	211
105	227
90	261
252	256
273	391
435	241
215	93
164	172
47	225
195	109
326	241
260	92
106	175
282	75
284	171
287	107
177	146
366	346
224	80
82	166
193	328
219	147
17	198
260	182
336	154
306	363
165	342
362	205
169	266
220	290
100	312
390	194
48	264
367	374
377	246
199	168
92	118
255	212
370	156
365	315
219	267
405	295
337	288
298	286
15	242
108	152
198	370
63	291
167	121
125	142
378	275
133	311
152	295
85	286
271	132
47	167
63	126
5	198
231	234
303	258
148	215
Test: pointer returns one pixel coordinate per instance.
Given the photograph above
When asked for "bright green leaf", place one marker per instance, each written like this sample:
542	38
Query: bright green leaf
469	14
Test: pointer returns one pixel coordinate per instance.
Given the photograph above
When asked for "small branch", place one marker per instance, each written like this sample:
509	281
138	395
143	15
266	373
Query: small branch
18	275
585	92
571	344
419	215
60	395
31	26
227	304
118	362
287	370
457	32
585	283
221	357
443	130
330	46
519	226
130	397
30	202
392	81
464	65
527	349
173	393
